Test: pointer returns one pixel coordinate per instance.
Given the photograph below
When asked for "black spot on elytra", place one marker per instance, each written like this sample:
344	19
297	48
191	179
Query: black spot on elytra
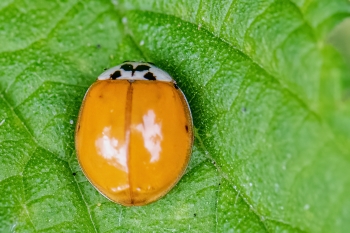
116	75
186	127
149	76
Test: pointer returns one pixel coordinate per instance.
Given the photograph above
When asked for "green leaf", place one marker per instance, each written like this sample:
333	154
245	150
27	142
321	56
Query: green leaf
268	93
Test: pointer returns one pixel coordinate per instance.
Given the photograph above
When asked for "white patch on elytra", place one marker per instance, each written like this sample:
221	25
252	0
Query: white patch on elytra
152	134
110	148
120	188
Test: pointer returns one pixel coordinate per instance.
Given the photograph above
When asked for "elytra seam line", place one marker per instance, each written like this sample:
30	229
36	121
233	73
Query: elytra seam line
127	135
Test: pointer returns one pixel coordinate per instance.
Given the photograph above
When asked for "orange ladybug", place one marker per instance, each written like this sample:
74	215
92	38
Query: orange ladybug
134	133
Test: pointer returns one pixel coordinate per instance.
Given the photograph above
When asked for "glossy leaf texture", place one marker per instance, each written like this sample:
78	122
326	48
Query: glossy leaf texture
268	92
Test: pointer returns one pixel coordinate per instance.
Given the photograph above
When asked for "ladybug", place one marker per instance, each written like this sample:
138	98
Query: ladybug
134	133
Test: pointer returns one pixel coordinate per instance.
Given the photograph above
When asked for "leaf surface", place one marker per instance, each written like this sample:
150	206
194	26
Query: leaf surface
268	93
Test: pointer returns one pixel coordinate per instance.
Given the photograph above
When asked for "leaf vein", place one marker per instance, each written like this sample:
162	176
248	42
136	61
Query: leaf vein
41	37
20	118
83	198
225	18
256	19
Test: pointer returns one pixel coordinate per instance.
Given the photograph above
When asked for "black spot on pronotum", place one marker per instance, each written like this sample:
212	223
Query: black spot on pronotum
176	86
149	76
142	68
74	174
127	67
186	127
116	75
